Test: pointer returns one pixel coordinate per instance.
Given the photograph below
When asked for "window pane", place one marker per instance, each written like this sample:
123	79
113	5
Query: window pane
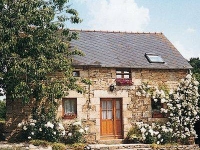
109	104
69	106
126	72
127	76
153	58
109	114
118	115
119	76
76	73
117	104
104	105
104	114
118	71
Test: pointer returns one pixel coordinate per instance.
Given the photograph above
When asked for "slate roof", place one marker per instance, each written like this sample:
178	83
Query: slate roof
126	50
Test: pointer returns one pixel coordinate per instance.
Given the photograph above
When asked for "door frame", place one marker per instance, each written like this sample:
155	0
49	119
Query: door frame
115	135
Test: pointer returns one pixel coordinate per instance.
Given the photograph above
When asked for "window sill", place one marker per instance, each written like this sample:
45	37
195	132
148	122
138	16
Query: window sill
69	116
158	115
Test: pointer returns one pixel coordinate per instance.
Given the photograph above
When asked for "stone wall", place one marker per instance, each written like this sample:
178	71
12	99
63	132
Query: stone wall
134	108
88	104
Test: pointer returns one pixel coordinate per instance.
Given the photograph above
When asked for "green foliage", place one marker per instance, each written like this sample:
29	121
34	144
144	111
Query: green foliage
34	45
2	110
77	146
58	146
195	63
39	143
134	135
43	125
86	81
75	133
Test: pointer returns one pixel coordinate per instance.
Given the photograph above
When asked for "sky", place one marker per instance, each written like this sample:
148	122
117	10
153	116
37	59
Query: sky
178	20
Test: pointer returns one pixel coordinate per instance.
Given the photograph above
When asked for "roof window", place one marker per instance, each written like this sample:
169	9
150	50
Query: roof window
154	58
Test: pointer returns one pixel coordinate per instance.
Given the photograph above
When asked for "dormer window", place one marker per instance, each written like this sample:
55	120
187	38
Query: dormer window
154	58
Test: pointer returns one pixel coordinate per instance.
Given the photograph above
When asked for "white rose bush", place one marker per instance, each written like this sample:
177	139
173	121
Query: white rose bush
75	132
182	112
183	108
43	125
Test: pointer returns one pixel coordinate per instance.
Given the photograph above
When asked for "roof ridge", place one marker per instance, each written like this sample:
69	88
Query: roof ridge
104	31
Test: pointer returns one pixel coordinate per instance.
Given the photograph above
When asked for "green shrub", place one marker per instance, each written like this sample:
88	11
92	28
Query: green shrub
58	146
2	110
43	125
39	143
76	146
134	135
75	133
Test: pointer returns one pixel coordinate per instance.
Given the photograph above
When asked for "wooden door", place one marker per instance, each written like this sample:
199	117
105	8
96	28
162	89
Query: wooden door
111	118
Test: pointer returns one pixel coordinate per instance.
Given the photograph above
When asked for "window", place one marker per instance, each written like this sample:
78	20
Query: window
69	108
123	73
156	106
123	77
76	73
153	58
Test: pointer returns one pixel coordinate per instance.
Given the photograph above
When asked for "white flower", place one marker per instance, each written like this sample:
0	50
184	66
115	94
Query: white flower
188	76
143	130
138	93
63	133
196	83
29	137
163	100
49	125
151	132
19	125
178	105
86	129
77	123
159	136
40	129
69	134
81	130
158	142
155	100
25	128
32	124
54	133
60	127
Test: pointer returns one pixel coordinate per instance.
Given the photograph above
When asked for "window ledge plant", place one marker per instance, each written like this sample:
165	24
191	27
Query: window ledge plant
69	116
124	82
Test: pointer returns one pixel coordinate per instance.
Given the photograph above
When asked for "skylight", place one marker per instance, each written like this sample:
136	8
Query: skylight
153	58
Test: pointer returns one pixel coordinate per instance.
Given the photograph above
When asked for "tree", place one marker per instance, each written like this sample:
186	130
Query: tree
34	45
195	63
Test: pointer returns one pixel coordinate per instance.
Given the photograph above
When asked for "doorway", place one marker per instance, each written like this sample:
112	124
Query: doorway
111	118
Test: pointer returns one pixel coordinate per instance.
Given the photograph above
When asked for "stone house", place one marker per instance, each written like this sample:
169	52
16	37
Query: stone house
117	63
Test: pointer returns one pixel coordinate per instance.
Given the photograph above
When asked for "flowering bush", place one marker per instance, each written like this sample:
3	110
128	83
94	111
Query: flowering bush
43	125
155	133
75	133
182	110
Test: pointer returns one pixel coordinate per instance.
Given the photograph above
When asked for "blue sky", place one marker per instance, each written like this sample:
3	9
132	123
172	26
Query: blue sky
179	20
